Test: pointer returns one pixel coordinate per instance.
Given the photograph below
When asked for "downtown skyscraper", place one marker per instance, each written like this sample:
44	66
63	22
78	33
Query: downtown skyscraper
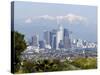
47	39
35	40
53	38
66	39
59	36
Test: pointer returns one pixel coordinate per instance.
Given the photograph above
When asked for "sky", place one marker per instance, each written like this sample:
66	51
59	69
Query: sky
30	18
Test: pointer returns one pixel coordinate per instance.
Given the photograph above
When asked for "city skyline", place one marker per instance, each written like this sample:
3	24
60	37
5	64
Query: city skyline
40	17
55	39
59	39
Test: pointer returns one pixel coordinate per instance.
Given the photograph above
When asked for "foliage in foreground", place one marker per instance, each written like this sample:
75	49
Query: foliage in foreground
57	65
19	46
85	63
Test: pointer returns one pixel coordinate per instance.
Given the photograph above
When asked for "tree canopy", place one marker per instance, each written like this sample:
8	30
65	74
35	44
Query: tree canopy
19	46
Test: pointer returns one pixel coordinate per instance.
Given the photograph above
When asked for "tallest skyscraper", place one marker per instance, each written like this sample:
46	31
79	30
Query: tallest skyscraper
59	35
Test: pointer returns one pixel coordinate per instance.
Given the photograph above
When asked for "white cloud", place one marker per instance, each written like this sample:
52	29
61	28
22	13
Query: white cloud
72	18
69	17
47	17
28	20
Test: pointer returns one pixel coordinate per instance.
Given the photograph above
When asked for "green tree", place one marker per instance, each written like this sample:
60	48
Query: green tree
85	63
45	65
19	46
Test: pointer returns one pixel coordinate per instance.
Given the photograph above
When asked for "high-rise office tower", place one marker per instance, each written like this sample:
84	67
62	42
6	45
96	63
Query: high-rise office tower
53	38
59	36
41	44
66	39
61	44
35	41
47	39
54	42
